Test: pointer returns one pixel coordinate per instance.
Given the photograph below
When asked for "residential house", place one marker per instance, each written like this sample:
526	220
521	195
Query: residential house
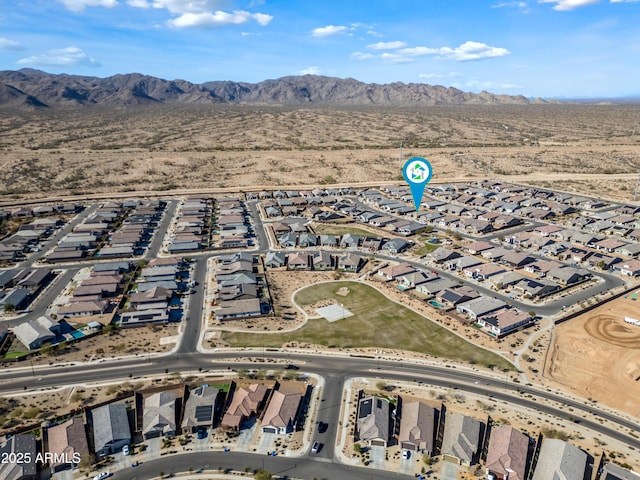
480	306
67	441
275	259
392	272
462	262
395	246
235	309
298	261
373	420
430	289
351	262
504	320
462	439
630	268
34	333
517	259
412	280
442	254
475	248
200	407
484	271
110	428
568	275
159	415
418	426
611	471
532	288
246	402
322	260
22	445
281	413
558	459
455	295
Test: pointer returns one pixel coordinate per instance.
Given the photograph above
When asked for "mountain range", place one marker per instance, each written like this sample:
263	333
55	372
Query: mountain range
37	89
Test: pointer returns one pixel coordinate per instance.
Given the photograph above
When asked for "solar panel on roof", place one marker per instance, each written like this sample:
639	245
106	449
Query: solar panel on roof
204	413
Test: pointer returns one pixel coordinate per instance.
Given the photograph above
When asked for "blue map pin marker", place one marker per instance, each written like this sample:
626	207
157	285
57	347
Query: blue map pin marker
417	172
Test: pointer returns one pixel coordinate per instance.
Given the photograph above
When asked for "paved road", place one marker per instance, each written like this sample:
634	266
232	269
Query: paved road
304	467
341	368
161	229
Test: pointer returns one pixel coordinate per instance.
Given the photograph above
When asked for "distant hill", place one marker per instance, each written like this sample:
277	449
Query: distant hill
37	89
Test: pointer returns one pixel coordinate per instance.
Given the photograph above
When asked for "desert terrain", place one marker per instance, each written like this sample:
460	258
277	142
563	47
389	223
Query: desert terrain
61	151
597	355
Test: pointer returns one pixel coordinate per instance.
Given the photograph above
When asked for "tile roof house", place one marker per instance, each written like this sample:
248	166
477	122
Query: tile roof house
611	471
480	306
68	441
418	426
34	333
630	268
159	415
373	420
351	262
560	460
22	444
442	254
246	401
392	272
462	438
281	413
199	409
110	428
507	454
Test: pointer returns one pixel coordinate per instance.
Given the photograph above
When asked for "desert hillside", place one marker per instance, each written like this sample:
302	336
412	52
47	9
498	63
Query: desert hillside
158	148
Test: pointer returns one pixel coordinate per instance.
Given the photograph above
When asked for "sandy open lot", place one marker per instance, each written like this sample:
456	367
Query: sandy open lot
597	355
165	148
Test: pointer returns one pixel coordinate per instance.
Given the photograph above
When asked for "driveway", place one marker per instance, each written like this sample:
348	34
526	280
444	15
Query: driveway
449	471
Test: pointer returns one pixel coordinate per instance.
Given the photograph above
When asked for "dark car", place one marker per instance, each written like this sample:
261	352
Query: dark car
322	427
292	367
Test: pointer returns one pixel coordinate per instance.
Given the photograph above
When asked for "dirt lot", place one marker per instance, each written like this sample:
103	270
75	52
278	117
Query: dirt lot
597	354
159	149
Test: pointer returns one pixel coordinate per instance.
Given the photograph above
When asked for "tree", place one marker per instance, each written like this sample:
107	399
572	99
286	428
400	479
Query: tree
263	475
532	314
9	308
381	385
86	461
426	459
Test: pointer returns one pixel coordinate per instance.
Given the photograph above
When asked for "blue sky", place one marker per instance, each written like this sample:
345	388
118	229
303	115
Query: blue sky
538	48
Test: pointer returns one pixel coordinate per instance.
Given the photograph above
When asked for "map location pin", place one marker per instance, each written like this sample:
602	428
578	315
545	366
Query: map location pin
417	172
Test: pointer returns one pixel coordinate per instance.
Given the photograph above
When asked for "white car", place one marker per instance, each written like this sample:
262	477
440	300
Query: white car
125	450
102	475
406	454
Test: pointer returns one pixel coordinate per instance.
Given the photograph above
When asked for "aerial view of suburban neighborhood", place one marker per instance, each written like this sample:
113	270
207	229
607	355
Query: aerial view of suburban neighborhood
317	277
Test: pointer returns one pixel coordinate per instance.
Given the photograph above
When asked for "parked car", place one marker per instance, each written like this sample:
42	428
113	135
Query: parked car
102	475
315	448
406	454
125	450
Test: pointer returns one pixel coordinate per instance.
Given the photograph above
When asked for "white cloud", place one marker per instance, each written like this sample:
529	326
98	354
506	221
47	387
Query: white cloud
188	6
362	56
6	44
80	5
387	45
310	71
328	30
566	5
467	51
624	1
65	57
373	33
430	75
262	18
139	3
218	19
395	58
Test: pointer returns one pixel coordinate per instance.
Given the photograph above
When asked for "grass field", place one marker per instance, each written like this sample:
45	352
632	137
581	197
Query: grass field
376	322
